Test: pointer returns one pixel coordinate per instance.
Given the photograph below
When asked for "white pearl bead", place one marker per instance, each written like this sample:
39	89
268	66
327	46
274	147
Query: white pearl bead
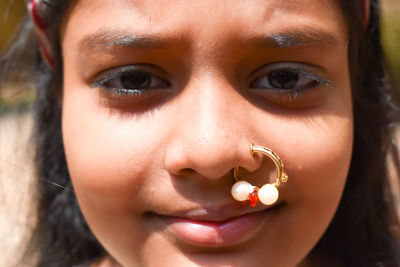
241	190
268	194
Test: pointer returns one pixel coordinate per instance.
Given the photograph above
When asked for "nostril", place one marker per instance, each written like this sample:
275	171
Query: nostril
185	171
187	157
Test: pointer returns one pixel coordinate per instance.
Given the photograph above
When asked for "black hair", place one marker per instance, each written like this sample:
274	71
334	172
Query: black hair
363	231
61	236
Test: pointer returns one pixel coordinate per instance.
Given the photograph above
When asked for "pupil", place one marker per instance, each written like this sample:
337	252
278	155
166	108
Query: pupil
135	80
283	79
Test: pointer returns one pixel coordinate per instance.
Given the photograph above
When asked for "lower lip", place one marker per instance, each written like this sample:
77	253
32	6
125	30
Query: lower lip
216	234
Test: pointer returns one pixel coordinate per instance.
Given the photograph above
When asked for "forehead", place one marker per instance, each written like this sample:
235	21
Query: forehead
210	19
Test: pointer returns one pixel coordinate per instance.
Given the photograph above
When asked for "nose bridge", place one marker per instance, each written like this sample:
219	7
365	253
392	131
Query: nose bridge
213	115
212	136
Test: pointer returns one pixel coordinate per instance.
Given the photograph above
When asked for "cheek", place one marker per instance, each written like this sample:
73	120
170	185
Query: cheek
108	158
106	148
317	156
108	154
318	147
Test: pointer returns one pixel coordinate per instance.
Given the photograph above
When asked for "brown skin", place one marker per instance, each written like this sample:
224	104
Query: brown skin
174	148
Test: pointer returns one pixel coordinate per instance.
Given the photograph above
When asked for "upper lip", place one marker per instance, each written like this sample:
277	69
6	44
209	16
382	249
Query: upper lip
215	213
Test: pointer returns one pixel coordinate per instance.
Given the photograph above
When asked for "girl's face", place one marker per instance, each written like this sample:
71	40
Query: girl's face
162	99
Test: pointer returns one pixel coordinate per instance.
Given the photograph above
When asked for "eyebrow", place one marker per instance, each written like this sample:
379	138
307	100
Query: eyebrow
296	37
108	40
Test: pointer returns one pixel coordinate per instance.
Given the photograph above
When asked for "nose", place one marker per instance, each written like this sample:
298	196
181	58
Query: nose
213	132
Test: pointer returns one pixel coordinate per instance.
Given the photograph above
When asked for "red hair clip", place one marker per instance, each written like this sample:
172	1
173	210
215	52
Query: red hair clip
365	10
35	8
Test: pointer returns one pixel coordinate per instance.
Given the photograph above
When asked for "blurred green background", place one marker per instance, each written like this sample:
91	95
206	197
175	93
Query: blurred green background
11	11
391	35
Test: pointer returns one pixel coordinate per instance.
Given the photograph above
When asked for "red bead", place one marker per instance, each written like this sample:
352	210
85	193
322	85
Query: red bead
253	197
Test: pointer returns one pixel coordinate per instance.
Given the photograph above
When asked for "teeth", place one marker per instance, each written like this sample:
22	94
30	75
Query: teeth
198	212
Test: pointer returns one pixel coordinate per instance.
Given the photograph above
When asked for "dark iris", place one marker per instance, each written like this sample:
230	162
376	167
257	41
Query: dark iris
135	80
283	79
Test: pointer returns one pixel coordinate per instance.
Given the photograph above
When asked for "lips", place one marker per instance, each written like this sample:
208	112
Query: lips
206	228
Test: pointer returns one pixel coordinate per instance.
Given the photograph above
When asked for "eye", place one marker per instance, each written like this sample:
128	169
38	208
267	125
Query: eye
130	80
287	78
282	80
290	85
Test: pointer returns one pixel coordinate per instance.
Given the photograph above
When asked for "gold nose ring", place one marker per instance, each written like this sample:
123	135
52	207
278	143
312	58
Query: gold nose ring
268	194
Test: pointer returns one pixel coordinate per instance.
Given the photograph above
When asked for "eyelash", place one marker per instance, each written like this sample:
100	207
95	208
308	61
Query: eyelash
304	74
108	80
